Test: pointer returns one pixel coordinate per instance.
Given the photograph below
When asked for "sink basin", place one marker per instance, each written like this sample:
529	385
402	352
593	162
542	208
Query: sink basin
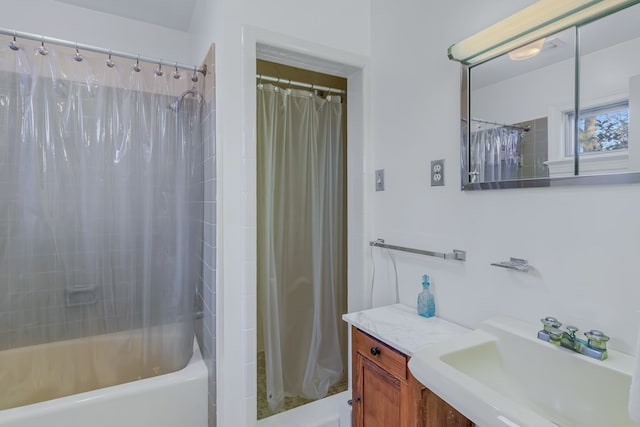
502	375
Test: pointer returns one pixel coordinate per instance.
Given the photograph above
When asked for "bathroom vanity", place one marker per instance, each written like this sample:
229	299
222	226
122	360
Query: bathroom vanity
384	392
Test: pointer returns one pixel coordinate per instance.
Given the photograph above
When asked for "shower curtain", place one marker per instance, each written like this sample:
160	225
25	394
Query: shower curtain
100	205
494	154
301	241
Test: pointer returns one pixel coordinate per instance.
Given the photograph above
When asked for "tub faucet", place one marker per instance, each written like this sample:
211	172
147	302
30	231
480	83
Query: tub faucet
594	346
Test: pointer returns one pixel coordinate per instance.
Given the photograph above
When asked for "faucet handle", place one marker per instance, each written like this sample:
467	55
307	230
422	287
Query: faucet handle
555	336
550	323
596	339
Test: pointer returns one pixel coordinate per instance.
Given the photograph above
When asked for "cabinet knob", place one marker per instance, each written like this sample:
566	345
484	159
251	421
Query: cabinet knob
375	351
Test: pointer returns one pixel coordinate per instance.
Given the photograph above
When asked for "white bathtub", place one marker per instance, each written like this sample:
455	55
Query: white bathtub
170	400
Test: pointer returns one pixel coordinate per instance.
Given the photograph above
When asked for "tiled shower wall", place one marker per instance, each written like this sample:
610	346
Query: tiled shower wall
534	151
205	296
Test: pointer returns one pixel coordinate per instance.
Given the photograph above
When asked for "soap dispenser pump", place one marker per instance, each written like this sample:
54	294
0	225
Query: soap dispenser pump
426	302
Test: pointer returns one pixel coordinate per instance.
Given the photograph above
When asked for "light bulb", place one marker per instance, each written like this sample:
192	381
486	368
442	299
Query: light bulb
527	51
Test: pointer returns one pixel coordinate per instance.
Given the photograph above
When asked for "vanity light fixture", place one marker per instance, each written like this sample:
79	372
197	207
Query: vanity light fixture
527	51
541	19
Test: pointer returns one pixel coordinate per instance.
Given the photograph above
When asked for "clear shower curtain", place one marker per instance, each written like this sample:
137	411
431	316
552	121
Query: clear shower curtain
100	211
495	154
301	241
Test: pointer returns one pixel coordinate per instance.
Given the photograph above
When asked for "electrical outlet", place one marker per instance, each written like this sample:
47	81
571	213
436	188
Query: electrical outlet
380	180
437	173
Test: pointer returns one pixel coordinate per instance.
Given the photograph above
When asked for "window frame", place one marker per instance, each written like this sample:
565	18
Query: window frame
568	118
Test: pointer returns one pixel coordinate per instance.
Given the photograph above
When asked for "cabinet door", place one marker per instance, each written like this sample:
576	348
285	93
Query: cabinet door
377	402
438	413
385	394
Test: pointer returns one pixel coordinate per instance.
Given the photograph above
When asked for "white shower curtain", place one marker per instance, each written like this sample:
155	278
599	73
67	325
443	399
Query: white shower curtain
301	241
100	209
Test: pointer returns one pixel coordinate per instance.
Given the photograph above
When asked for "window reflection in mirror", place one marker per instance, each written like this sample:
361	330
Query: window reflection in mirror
517	106
609	93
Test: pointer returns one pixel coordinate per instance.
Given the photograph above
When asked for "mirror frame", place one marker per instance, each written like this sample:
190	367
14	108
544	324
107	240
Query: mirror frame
576	179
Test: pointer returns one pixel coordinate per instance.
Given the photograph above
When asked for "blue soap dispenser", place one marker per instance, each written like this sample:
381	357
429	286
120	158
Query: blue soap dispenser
426	302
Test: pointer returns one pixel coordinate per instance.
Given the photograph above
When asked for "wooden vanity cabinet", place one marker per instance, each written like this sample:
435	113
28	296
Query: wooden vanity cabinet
385	394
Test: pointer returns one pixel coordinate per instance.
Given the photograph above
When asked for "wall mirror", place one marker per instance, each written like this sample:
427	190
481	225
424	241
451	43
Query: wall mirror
561	109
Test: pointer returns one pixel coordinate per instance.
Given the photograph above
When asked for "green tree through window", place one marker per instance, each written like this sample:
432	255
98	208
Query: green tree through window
601	129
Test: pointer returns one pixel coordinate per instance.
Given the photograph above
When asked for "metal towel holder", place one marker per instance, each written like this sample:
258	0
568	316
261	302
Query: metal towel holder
457	255
513	264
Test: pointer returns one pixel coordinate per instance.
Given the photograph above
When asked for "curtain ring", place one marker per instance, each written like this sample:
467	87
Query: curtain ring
110	63
176	74
13	45
159	71
43	50
194	78
137	67
77	57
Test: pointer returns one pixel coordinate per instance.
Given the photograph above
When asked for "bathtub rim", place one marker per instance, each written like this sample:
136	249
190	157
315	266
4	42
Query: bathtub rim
195	370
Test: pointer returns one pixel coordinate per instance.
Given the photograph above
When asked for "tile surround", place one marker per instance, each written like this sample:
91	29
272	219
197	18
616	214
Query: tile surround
206	297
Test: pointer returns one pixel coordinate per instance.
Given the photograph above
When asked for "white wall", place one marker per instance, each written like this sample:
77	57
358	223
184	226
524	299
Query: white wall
528	96
233	25
67	22
582	242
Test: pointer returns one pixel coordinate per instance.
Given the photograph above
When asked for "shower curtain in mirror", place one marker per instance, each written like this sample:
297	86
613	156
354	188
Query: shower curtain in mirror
301	241
494	154
100	215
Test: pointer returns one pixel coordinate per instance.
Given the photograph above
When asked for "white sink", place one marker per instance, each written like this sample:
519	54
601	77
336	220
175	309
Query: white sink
502	375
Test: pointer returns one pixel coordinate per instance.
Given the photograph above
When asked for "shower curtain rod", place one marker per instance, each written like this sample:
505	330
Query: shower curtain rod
278	80
110	52
523	128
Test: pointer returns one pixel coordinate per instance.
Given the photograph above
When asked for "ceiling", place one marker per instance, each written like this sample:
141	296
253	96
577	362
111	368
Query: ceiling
174	14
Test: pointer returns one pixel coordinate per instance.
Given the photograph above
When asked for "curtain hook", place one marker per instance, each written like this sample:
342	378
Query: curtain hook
13	44
194	78
137	67
176	74
110	63
159	71
43	50
77	57
259	81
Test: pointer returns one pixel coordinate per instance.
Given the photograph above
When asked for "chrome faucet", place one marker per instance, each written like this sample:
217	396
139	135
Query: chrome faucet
594	346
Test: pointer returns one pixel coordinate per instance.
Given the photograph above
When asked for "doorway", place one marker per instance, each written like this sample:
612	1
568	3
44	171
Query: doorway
301	236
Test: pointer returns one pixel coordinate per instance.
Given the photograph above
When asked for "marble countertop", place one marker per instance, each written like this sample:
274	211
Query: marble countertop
401	327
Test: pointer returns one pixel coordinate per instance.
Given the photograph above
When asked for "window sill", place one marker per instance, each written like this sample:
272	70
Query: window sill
591	164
